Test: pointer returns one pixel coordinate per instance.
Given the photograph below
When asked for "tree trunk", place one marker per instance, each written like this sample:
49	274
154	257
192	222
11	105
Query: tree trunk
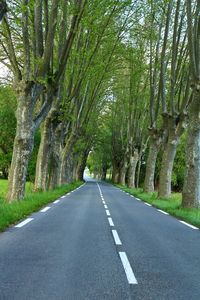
66	172
191	188
132	169
104	172
122	174
23	146
55	161
164	189
43	157
55	168
115	174
150	166
80	169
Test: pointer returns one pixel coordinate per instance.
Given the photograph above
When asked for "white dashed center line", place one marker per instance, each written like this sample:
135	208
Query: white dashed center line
111	222
116	237
127	268
24	222
106	206
45	209
107	212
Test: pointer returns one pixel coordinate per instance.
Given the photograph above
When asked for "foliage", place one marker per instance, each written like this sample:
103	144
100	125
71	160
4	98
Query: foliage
7	127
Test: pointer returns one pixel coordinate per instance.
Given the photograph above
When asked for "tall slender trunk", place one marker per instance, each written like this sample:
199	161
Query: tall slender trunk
191	188
132	169
165	176
115	173
66	161
104	172
151	165
43	157
175	131
23	146
138	172
81	167
122	173
55	161
55	169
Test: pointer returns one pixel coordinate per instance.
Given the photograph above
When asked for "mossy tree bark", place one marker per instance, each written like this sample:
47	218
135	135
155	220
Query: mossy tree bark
154	146
132	168
23	146
43	157
191	188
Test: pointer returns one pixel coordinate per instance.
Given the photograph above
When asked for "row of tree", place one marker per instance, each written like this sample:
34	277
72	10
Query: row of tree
156	102
118	77
60	56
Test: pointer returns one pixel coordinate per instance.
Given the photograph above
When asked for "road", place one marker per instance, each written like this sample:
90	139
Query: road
99	243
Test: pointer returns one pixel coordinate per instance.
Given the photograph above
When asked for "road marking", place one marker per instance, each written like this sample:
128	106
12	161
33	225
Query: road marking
116	237
56	201
137	199
111	222
163	212
106	206
189	225
24	222
103	202
148	204
45	209
63	197
107	212
127	268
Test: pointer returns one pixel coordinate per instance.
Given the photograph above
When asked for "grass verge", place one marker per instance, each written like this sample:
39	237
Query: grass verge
171	205
17	210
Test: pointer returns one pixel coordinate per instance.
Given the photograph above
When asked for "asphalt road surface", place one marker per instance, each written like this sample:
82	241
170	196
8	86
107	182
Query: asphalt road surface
99	243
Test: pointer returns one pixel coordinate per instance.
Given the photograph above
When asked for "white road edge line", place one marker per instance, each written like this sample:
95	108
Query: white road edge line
116	237
107	212
63	197
189	225
163	212
127	268
24	222
45	209
148	204
111	222
56	201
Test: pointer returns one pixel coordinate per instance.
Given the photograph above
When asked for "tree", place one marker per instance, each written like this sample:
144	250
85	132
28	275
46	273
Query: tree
191	189
36	72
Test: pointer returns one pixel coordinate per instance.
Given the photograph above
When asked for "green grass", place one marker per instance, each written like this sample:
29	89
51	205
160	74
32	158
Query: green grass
33	201
171	205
